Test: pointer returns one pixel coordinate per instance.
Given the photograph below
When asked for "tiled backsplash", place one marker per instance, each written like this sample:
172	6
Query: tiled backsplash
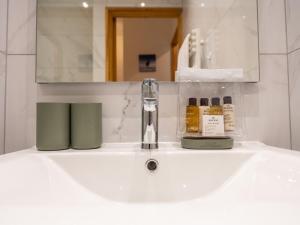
121	107
267	102
293	34
3	27
2	99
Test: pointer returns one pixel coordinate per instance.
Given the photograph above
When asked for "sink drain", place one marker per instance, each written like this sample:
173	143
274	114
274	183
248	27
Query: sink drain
152	165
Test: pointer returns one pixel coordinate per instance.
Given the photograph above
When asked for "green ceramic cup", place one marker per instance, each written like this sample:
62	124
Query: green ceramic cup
53	126
86	125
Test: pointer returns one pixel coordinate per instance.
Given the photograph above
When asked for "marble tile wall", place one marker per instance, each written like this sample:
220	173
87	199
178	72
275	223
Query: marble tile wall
294	79
225	27
20	75
266	101
293	28
22	27
3	27
272	26
2	99
121	107
20	106
293	37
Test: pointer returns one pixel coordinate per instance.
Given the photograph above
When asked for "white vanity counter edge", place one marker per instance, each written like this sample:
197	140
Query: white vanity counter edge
252	184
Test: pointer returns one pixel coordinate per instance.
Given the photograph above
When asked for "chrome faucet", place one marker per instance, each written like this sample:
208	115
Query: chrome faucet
150	91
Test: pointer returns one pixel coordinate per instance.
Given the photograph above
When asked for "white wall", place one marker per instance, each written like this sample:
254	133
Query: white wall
267	113
148	36
293	36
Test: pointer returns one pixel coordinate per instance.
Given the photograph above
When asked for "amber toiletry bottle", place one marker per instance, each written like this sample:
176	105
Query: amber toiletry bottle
203	110
229	117
216	108
192	116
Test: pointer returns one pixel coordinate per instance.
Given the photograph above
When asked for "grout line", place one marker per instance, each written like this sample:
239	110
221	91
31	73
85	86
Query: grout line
273	54
36	41
258	41
286	28
290	105
19	54
5	82
288	75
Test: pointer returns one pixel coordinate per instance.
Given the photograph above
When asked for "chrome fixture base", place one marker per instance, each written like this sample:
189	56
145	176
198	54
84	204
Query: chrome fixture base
150	91
150	146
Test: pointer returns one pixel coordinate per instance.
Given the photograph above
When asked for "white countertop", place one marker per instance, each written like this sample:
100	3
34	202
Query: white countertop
250	184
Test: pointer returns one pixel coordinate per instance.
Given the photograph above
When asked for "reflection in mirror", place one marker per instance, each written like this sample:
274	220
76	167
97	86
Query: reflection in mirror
148	39
143	43
129	40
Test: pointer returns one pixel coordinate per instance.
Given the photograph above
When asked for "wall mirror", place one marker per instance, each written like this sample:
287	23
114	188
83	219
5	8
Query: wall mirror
129	40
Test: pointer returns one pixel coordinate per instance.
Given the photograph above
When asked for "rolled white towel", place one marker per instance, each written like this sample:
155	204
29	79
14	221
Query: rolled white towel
183	54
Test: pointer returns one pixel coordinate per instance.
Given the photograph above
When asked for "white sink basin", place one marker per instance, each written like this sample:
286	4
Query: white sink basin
179	177
251	184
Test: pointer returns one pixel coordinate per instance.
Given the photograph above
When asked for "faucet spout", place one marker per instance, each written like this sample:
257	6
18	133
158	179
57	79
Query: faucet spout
150	93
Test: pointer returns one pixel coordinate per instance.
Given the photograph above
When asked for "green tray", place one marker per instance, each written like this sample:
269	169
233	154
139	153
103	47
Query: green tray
207	143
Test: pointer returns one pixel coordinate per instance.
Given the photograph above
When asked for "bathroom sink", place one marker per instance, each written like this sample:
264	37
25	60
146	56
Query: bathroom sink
251	184
179	176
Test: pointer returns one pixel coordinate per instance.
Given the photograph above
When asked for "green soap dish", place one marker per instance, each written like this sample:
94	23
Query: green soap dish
207	143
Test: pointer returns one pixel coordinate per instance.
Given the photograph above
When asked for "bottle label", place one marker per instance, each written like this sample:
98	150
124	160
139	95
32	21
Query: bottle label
229	121
213	125
203	110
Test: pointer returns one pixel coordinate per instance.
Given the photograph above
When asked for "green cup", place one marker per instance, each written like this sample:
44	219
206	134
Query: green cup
53	126
86	125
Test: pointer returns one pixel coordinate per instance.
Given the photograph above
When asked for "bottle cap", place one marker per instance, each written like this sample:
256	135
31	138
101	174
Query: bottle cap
204	101
192	101
215	101
227	100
